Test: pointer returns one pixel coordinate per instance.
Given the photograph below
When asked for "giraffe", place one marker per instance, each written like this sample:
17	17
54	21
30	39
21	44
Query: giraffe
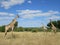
53	27
11	25
45	29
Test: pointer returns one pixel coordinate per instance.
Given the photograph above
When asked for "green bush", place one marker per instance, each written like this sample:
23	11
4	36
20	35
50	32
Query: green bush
34	30
2	29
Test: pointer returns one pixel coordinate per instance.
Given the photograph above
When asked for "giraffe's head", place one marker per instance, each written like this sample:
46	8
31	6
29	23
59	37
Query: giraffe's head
17	16
50	20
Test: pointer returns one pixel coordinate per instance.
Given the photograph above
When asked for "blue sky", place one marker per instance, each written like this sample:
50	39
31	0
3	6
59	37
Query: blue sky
32	12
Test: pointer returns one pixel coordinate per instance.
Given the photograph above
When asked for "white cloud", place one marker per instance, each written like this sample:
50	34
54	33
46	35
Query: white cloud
36	13
30	23
54	17
3	13
30	1
8	4
5	18
6	14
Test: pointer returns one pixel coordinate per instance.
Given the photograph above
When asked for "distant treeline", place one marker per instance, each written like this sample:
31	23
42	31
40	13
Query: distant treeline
33	29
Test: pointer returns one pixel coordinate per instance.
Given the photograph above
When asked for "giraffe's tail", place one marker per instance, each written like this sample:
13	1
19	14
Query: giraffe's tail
54	31
5	33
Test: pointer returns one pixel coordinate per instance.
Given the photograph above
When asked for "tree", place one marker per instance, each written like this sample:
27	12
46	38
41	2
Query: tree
20	29
2	28
15	26
56	24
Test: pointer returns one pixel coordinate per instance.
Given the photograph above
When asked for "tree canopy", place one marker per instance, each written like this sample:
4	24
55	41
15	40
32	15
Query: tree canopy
56	24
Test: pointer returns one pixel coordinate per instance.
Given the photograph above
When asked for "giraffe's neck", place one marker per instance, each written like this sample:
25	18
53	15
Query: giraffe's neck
13	21
52	24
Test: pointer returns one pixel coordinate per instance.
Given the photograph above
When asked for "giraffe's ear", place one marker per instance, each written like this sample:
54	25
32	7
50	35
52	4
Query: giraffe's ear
18	16
50	19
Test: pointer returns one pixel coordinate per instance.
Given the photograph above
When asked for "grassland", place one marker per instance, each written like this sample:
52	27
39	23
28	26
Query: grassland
30	38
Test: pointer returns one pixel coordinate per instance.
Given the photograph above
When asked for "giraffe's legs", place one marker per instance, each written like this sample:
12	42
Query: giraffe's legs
54	31
5	31
12	30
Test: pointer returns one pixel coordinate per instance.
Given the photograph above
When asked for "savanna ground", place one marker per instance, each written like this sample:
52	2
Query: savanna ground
30	38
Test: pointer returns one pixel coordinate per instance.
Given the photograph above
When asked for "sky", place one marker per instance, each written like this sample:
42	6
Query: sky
33	13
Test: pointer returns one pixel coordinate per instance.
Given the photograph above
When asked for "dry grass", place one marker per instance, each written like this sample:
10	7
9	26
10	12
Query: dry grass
29	38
